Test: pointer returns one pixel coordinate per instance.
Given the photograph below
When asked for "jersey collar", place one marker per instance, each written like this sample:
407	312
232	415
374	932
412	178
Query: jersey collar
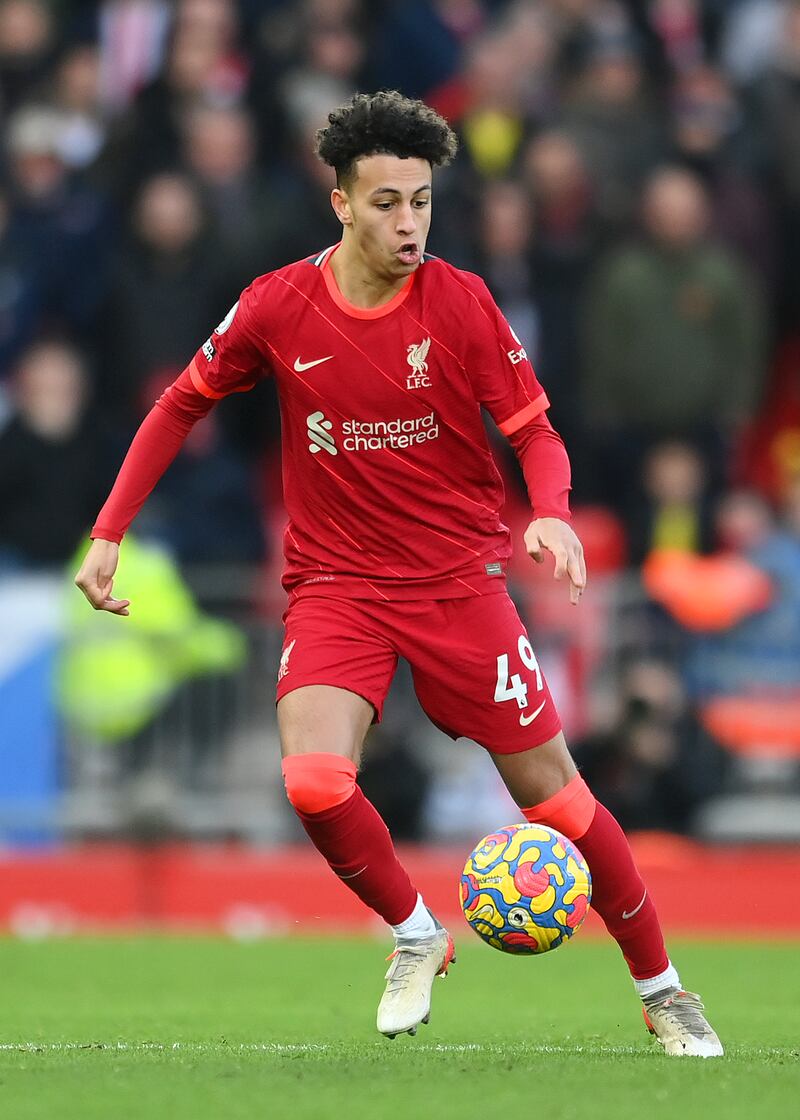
349	308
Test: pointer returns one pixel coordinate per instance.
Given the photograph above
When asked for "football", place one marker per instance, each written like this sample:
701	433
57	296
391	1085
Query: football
525	889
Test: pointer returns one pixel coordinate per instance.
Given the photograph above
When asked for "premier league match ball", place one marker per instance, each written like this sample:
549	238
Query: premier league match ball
525	889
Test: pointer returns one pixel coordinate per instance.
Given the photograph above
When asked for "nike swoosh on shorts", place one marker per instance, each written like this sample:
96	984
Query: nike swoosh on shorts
533	715
300	366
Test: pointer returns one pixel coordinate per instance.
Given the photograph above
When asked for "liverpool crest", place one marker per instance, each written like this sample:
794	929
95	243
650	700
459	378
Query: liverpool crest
417	355
283	668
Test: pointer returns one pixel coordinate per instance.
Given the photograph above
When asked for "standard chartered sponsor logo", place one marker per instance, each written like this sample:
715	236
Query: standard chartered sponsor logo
375	435
319	434
372	435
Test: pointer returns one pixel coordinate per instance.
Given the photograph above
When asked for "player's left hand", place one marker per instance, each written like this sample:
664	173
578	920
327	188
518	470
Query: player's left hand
559	538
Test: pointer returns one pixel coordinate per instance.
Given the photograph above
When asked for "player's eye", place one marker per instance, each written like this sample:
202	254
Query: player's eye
385	205
421	202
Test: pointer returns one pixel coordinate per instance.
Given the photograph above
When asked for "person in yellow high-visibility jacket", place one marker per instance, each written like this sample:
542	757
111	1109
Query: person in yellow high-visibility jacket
110	683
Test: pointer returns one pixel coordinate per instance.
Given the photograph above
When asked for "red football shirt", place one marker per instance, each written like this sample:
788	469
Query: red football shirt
389	481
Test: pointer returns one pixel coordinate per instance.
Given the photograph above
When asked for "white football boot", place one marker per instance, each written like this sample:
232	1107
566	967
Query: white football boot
676	1019
415	964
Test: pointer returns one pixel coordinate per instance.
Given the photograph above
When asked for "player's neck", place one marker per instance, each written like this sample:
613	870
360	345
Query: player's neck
359	284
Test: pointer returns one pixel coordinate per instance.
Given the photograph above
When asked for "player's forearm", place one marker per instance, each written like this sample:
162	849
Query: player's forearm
545	465
155	445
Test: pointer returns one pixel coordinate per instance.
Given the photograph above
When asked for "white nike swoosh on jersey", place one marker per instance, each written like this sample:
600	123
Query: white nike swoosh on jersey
625	913
300	366
533	716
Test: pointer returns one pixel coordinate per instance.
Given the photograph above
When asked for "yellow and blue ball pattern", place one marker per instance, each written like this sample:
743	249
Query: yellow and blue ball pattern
525	889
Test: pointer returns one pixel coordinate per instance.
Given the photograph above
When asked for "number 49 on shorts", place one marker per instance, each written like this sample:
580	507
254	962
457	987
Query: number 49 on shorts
513	687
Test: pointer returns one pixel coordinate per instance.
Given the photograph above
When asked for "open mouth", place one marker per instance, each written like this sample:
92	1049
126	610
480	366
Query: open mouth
409	252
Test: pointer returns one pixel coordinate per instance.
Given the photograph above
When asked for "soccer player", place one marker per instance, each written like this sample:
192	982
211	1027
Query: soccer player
383	359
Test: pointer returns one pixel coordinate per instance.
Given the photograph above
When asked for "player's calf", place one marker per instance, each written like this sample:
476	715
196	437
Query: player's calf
348	831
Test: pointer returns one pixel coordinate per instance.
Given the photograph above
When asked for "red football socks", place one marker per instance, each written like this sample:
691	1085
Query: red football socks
357	845
618	894
620	898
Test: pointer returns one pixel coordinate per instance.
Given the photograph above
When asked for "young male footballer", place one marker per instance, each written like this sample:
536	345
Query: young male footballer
383	358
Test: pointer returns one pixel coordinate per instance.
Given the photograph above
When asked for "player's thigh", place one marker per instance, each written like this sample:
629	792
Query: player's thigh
534	775
318	717
476	675
335	670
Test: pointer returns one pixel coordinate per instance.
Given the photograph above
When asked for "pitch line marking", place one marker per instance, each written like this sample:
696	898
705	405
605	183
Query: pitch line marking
287	1047
313	1048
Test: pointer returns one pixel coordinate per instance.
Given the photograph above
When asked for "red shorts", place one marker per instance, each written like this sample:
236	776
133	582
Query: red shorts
473	667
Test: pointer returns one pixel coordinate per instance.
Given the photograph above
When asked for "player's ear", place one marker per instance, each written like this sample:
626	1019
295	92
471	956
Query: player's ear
341	206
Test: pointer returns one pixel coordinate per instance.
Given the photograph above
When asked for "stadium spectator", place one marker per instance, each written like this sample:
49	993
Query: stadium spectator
503	257
749	37
418	45
329	68
564	246
77	98
21	292
27	46
713	136
54	460
131	37
653	762
505	239
671	509
220	154
164	293
492	124
616	124
777	97
302	187
202	66
57	219
208	509
675	338
679	26
396	781
763	651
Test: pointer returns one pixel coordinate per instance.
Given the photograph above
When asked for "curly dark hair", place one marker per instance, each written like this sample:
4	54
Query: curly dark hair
385	123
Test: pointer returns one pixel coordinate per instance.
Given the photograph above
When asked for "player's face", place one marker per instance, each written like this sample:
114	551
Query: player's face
387	209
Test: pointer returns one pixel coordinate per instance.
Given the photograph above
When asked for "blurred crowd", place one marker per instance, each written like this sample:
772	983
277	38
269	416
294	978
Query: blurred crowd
628	183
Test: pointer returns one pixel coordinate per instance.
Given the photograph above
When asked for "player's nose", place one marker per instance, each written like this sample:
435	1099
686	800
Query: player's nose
406	222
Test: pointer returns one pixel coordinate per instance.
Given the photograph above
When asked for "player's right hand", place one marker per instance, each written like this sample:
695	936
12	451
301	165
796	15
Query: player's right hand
96	577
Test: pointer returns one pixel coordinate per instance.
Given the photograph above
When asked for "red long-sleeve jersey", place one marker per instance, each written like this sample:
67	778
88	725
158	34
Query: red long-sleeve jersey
389	481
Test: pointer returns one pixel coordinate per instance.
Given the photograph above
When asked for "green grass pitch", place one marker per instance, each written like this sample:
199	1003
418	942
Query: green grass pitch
189	1027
